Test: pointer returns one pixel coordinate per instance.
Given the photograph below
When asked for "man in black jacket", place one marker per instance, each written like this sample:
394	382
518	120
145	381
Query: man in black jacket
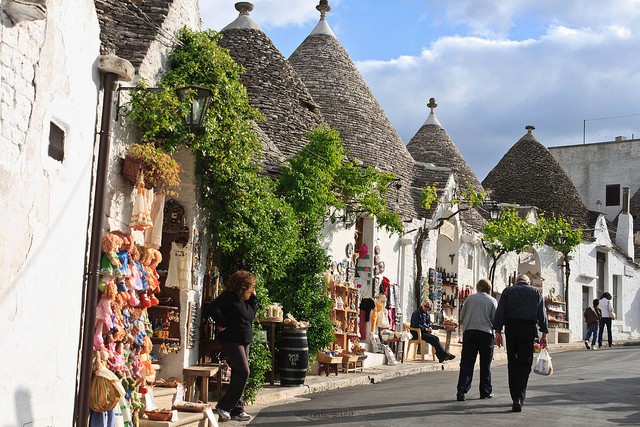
520	309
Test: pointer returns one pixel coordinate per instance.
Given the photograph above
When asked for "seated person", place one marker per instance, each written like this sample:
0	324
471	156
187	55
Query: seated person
420	319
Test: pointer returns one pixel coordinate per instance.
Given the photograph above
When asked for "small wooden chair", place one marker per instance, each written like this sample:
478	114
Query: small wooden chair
417	344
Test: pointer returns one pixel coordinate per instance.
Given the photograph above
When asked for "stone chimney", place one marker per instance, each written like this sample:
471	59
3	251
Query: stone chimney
624	235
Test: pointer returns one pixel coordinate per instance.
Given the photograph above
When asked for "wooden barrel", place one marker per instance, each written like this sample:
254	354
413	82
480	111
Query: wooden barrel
293	357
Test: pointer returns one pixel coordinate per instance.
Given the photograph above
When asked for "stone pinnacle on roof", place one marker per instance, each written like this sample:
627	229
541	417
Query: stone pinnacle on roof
244	20
323	26
530	176
432	120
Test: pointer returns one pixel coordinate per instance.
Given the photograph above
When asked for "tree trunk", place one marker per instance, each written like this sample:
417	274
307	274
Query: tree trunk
418	255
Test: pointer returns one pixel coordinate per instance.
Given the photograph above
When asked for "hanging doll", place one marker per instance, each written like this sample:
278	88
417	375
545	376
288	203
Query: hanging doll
110	264
152	259
141	213
104	322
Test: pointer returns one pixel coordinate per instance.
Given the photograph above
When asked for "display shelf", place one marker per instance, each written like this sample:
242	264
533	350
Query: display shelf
158	340
344	314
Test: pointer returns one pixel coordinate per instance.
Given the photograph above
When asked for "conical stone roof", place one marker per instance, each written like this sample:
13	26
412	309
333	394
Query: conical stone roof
431	144
273	86
349	107
530	176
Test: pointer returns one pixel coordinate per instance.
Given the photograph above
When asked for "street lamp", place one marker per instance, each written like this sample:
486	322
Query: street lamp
200	101
562	239
495	211
200	98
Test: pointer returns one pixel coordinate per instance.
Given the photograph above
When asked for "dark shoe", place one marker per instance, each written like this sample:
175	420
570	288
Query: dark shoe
488	396
450	356
460	397
517	405
586	344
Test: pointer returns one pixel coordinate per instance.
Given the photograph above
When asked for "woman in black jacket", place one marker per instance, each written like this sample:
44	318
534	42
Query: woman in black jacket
233	312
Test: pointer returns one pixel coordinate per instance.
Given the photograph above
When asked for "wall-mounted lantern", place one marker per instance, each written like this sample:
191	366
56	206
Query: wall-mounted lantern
200	101
200	98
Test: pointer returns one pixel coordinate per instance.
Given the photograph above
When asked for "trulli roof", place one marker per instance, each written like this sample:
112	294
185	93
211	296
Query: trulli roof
349	107
272	85
530	176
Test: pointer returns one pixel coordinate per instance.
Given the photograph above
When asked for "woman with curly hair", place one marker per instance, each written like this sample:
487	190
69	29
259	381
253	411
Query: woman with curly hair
233	311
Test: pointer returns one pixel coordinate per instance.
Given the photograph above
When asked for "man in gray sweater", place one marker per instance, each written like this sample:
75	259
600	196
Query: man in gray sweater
477	322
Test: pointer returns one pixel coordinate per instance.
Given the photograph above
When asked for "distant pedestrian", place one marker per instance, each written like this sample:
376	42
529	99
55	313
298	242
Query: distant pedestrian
606	305
592	315
477	315
520	309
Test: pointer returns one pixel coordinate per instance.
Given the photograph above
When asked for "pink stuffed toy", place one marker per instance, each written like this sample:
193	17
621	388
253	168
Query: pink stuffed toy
103	322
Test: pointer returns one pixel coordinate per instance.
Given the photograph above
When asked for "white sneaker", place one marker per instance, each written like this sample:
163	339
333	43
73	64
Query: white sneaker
223	415
242	416
586	344
593	347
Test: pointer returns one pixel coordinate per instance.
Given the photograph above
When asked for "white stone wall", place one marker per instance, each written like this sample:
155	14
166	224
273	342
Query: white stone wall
593	166
48	74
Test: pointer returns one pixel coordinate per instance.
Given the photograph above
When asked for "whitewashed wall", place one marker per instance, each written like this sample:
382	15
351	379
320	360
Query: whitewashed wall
47	75
590	168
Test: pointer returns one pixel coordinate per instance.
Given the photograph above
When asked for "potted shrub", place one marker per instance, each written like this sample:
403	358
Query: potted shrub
158	168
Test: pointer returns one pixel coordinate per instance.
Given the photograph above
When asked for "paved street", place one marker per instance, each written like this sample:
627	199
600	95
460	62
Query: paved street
587	388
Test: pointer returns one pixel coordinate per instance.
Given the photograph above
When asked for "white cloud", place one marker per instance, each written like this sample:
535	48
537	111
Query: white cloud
267	13
493	68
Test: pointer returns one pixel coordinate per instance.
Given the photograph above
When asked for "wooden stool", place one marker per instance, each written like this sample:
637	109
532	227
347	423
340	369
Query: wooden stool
204	372
327	368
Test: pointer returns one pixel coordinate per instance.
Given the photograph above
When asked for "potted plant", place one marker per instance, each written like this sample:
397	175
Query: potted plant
157	167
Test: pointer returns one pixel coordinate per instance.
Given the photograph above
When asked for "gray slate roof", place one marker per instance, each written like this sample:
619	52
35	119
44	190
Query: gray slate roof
349	107
272	85
530	176
432	144
127	28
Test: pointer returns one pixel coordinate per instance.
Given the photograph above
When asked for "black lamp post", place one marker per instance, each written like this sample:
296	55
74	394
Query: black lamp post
200	100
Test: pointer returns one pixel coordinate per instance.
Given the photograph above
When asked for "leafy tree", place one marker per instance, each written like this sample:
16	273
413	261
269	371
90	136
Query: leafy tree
509	233
315	182
561	236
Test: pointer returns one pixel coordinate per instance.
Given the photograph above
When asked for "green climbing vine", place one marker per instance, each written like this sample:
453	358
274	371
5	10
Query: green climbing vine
272	228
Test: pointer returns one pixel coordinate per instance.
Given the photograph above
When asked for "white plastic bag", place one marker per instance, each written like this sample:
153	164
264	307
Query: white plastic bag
542	365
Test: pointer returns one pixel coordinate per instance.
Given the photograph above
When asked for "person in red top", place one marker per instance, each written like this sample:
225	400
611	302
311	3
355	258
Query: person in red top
233	311
593	316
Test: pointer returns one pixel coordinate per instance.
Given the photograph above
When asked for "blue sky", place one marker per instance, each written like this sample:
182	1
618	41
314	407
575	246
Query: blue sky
493	66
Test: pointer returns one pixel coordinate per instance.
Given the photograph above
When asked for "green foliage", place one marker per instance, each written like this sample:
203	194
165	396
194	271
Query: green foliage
511	233
259	364
273	230
554	228
428	195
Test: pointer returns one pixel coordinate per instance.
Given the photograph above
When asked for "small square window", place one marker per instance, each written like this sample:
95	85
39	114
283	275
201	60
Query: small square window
56	142
613	195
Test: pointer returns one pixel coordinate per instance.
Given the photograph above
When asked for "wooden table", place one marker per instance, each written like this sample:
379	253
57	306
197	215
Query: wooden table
204	372
270	327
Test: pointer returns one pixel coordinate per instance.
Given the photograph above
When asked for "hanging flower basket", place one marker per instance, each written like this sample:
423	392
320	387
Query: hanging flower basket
157	167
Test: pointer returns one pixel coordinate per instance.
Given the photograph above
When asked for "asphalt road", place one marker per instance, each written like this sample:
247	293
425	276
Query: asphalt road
587	388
